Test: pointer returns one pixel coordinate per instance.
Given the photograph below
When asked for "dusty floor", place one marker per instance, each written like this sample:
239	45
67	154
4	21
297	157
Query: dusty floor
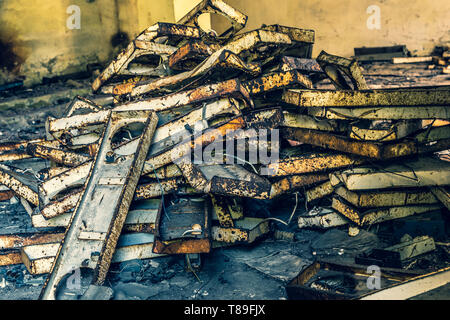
234	272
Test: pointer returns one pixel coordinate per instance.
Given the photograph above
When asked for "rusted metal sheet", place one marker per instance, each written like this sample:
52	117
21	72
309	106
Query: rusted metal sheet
412	248
295	120
302	40
312	162
404	197
227	180
231	87
300	64
109	188
318	192
146	43
236	18
81	105
382	113
377	150
17	241
247	230
181	150
277	81
190	55
178	129
385	131
335	67
321	219
157	189
398	97
38	259
422	172
5	193
378	215
183	227
15	150
222	61
10	258
442	194
292	183
18	150
140	216
167	172
65	157
69	179
22	184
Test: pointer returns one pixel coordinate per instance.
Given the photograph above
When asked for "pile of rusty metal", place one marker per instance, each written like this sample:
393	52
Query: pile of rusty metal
127	181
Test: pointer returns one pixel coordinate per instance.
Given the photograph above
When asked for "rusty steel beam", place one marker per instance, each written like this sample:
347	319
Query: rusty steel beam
145	215
382	113
220	206
318	192
312	162
292	183
39	258
223	61
10	258
181	150
178	129
405	197
167	172
157	189
392	97
21	184
422	172
226	180
442	194
277	81
378	215
385	131
17	241
246	230
190	55
18	150
378	150
302	40
229	88
146	42
65	157
295	120
90	239
5	193
411	288
300	64
72	178
236	18
335	67
322	219
81	105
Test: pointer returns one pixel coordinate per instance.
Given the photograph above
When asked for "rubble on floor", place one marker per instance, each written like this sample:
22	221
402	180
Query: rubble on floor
213	146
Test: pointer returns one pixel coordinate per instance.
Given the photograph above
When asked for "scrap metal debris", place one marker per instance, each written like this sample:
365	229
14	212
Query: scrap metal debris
211	123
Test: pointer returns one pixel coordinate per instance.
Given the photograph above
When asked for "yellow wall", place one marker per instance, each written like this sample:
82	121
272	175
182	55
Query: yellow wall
36	37
341	25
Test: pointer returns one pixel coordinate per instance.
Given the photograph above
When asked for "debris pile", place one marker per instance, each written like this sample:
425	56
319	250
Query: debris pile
202	121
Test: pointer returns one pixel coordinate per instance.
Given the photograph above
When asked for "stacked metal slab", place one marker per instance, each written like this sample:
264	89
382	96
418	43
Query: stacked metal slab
124	181
388	140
